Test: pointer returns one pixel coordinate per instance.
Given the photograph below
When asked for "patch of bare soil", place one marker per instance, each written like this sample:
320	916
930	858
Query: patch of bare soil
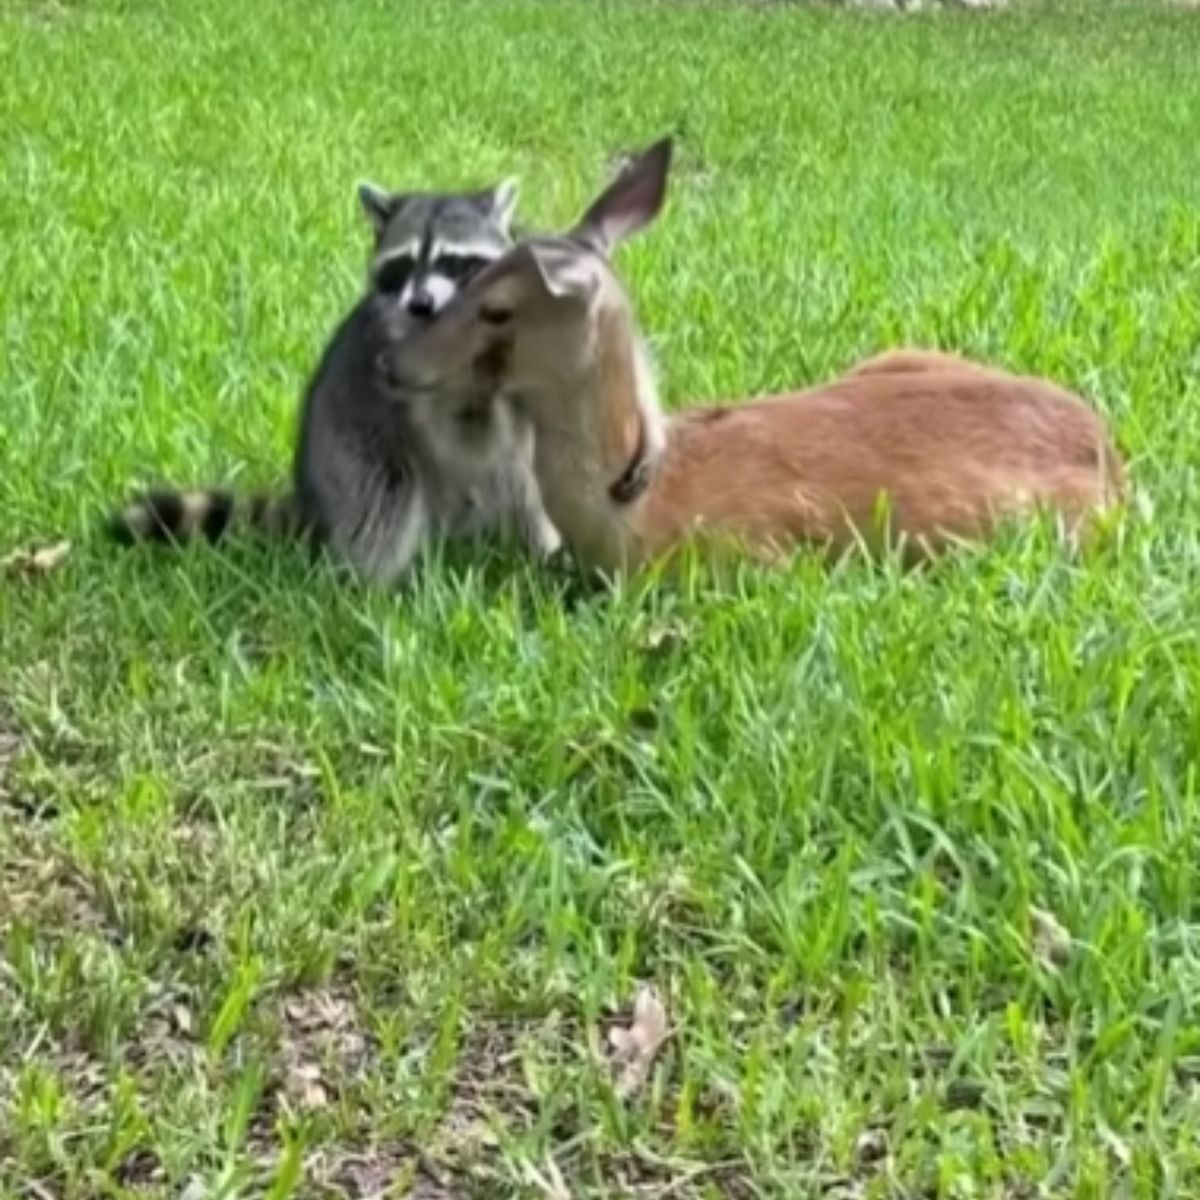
490	1100
38	885
322	1046
324	1051
11	744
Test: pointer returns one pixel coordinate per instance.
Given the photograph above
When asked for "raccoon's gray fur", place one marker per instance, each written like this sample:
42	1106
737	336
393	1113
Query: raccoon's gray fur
373	476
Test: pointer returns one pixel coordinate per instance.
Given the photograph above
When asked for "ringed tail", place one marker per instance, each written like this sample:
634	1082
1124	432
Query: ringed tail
176	516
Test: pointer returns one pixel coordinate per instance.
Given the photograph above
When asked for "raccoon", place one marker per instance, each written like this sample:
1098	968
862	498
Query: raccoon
373	478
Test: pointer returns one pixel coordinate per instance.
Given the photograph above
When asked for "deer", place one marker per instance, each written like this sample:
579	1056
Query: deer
915	449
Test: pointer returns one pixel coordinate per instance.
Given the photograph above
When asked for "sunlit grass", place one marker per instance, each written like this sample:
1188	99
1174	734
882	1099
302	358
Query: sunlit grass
313	885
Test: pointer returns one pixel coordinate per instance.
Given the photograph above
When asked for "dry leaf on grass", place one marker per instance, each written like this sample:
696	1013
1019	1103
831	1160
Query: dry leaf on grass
304	1085
319	1010
182	1017
1051	939
36	562
662	636
635	1048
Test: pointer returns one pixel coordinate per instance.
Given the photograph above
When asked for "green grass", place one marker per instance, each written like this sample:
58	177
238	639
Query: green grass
309	888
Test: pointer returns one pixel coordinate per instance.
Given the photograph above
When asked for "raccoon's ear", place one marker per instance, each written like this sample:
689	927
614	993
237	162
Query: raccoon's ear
629	203
378	204
499	202
504	200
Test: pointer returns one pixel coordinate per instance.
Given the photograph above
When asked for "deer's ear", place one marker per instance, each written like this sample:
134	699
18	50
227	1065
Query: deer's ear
378	204
630	202
530	270
565	272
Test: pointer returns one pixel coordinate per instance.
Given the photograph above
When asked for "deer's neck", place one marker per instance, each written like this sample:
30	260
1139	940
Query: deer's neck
604	420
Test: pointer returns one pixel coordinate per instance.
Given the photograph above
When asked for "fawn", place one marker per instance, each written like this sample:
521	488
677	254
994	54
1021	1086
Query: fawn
951	447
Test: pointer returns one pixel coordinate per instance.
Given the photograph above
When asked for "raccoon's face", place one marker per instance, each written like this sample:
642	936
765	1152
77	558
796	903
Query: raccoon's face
428	244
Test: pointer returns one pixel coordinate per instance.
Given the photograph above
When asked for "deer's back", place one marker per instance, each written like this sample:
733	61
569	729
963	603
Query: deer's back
953	449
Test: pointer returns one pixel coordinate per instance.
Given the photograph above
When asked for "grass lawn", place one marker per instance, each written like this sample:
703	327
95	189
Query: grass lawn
308	890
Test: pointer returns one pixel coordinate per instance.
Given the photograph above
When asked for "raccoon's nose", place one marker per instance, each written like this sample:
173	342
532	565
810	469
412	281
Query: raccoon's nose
421	303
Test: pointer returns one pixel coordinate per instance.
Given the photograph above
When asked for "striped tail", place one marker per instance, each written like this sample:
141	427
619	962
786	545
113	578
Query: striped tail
176	516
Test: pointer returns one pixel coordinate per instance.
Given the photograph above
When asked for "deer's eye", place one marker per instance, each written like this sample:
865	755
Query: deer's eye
495	314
